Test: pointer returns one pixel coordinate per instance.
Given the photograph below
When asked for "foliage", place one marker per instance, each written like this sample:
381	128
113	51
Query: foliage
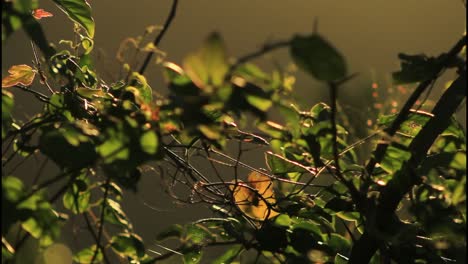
103	135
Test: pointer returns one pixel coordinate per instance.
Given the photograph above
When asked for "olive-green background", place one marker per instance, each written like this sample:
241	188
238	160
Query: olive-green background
369	33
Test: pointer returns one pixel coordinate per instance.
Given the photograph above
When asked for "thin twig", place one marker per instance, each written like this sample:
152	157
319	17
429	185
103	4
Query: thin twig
178	250
40	96
98	245
333	87
101	221
39	70
159	37
265	49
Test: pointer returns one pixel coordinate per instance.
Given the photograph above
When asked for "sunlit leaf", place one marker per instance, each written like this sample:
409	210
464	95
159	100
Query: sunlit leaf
229	255
85	255
259	102
340	259
80	12
197	234
149	142
279	165
128	245
114	148
13	188
43	223
145	93
19	75
114	214
339	243
41	13
192	256
283	220
76	201
256	205
318	57
208	65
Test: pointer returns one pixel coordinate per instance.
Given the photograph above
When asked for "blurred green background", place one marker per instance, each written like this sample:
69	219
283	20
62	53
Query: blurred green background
369	33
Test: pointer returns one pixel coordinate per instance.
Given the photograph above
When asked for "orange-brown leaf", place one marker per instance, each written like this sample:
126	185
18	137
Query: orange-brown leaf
19	74
41	13
256	205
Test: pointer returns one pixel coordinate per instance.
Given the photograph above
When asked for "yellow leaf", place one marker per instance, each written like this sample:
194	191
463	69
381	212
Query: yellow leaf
257	204
19	74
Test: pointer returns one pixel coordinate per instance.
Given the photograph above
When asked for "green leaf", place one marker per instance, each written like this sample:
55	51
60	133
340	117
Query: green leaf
173	231
193	256
349	216
115	147
229	256
67	146
251	72
283	220
85	256
320	112
340	259
43	223
208	65
416	68
279	165
129	245
80	12
306	225
318	57
214	56
114	214
13	188
76	201
197	234
149	142
7	109
259	102
145	94
394	159
339	243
